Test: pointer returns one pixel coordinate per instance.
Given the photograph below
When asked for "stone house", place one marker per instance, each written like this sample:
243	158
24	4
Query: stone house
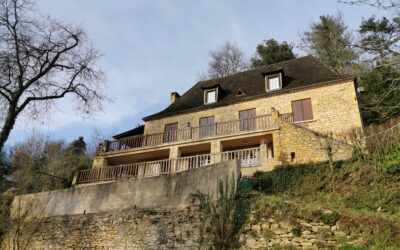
277	114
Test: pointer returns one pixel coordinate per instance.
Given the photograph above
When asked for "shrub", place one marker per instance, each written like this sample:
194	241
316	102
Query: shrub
329	218
379	232
390	162
287	178
296	231
224	217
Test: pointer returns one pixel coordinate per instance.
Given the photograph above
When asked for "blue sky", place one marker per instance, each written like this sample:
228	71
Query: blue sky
152	48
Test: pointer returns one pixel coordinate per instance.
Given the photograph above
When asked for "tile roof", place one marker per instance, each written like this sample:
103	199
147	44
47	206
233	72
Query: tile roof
297	73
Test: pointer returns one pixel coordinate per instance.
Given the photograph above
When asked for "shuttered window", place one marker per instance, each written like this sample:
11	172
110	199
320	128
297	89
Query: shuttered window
247	119
302	110
170	132
206	126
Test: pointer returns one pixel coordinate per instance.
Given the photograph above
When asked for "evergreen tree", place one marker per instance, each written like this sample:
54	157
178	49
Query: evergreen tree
270	52
330	41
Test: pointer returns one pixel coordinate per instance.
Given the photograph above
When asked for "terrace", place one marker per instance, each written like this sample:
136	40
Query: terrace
235	127
249	157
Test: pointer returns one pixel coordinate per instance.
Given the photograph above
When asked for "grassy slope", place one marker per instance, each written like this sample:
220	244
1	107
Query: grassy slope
367	200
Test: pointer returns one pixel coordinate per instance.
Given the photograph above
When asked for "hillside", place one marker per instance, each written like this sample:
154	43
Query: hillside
359	198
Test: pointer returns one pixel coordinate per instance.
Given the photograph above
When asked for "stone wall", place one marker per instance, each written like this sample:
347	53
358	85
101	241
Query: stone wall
297	143
169	191
127	229
335	108
174	229
272	233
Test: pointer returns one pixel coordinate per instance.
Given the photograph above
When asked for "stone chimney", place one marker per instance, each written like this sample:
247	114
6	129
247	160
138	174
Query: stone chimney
174	97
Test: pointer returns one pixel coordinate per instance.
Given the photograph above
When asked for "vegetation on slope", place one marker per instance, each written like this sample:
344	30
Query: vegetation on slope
364	199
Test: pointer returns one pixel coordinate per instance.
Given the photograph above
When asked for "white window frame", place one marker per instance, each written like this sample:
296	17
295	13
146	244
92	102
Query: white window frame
268	77
206	95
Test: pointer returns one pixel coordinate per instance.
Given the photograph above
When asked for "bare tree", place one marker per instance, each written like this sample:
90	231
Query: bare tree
381	4
42	60
226	60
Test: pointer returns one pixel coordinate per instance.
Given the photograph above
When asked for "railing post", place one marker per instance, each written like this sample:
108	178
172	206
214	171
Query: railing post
75	180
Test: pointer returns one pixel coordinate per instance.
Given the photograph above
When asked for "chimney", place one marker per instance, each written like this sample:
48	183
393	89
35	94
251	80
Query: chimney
174	97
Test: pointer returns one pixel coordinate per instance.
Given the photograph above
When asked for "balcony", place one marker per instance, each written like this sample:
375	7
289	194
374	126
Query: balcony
191	134
248	157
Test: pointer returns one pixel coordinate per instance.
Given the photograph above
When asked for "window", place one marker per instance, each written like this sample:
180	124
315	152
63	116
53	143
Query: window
170	132
247	119
210	96
206	126
273	82
302	110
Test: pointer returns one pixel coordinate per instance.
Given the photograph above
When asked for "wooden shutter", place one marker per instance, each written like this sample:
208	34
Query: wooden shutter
297	111
247	119
170	132
302	110
252	119
307	109
206	126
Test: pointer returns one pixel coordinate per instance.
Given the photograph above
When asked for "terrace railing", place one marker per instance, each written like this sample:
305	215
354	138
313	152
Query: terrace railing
248	157
288	117
192	133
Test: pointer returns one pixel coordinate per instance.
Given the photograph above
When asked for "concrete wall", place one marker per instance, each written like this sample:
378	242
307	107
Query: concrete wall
161	192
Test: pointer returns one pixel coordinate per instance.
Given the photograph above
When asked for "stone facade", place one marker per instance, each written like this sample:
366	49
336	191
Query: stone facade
334	107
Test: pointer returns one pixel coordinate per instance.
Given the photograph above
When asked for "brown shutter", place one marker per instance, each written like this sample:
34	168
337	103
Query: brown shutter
247	119
170	132
252	119
242	120
206	126
297	111
307	109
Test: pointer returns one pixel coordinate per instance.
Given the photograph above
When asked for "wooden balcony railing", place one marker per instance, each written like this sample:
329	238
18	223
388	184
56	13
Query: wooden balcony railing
192	133
248	157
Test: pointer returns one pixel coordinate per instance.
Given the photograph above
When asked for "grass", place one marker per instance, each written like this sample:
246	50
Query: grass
363	198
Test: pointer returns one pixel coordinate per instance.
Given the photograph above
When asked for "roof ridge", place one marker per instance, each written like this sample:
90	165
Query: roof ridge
257	68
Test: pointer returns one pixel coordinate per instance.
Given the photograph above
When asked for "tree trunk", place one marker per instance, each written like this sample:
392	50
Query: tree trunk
7	126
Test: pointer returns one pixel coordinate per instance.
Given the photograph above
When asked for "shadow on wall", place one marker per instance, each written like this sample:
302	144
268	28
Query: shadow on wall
169	191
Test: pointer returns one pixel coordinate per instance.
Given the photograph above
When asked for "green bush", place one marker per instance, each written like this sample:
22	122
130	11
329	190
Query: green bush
287	178
296	231
329	218
390	162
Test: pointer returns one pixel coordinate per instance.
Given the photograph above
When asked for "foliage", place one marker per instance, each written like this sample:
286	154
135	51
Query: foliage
329	217
40	164
270	52
380	232
380	37
296	231
330	41
390	162
285	179
363	199
381	98
225	217
226	60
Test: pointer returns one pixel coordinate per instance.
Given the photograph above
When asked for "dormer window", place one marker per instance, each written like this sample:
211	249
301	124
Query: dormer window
273	82
210	96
